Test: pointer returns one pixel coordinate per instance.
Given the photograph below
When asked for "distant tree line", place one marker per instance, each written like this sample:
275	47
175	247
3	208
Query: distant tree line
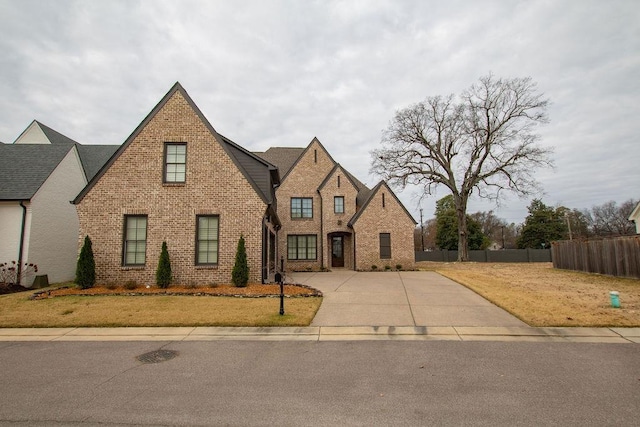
542	225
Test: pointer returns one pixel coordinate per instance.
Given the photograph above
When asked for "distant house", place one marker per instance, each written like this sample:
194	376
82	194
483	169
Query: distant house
177	180
40	174
635	217
332	220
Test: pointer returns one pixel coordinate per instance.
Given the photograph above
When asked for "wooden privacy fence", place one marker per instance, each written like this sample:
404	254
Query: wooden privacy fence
618	256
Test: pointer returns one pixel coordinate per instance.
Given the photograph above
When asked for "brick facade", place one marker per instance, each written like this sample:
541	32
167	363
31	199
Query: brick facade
133	185
303	181
224	180
316	175
388	217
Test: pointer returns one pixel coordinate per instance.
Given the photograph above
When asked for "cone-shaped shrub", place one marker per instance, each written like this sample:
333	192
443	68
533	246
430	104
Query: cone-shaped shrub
163	273
86	266
240	272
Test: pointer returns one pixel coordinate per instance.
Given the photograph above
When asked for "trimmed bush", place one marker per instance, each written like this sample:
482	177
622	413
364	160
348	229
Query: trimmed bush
86	266
163	273
240	272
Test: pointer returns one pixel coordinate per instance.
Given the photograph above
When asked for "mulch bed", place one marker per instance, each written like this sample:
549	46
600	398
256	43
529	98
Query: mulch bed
250	291
11	288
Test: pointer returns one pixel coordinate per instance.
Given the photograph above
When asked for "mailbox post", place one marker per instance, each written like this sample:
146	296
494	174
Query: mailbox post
280	281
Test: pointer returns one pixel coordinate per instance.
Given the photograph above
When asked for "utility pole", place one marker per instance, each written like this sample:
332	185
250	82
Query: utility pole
566	216
421	230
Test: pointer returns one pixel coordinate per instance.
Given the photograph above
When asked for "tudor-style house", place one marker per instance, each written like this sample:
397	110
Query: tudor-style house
176	180
332	220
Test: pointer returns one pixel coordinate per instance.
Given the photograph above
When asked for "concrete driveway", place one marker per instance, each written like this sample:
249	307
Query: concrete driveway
406	298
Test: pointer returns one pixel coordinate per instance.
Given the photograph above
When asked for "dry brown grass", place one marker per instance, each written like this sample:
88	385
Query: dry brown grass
540	295
17	310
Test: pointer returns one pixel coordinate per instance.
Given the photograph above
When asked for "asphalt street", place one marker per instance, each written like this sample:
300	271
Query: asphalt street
319	383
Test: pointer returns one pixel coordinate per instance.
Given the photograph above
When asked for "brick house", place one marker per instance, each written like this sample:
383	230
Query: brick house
331	220
175	179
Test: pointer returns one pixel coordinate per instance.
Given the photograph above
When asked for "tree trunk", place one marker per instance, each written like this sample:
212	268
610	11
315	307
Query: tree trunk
463	236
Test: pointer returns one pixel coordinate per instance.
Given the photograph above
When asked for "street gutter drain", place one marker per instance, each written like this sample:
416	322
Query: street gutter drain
157	356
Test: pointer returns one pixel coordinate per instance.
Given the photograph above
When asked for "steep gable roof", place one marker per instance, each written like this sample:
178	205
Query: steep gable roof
371	196
238	155
25	167
36	130
350	178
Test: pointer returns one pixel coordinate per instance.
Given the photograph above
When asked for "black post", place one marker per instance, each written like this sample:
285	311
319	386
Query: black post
281	298
281	283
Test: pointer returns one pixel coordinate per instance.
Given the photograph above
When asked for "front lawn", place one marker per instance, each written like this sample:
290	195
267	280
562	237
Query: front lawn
540	295
18	311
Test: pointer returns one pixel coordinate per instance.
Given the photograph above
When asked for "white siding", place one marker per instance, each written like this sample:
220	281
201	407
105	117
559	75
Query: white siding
33	135
53	243
10	226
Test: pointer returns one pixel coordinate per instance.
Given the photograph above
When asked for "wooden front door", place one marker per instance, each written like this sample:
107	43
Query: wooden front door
337	251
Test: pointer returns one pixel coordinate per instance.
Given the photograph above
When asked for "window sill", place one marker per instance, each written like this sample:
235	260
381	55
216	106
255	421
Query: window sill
207	267
174	184
132	267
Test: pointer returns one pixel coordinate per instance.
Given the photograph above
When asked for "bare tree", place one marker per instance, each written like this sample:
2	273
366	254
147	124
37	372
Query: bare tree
609	219
485	142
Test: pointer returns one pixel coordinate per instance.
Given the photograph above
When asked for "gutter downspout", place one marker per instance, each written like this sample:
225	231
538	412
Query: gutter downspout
22	233
321	232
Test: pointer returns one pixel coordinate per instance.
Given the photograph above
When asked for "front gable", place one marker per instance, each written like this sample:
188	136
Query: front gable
176	119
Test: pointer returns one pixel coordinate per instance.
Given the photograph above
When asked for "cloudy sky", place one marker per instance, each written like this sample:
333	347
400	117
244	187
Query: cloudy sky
277	73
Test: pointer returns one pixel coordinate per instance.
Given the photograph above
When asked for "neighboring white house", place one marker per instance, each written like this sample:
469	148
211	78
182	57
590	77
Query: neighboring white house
635	217
40	174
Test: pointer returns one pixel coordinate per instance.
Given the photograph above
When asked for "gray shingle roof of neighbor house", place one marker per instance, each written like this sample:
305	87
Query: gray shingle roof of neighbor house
25	167
254	168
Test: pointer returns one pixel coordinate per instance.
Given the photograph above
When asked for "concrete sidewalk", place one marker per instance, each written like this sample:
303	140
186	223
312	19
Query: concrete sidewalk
327	333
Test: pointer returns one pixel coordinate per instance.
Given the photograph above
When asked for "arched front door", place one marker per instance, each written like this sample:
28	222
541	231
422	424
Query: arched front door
337	251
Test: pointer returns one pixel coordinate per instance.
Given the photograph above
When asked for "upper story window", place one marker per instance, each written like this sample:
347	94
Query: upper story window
175	162
135	240
338	204
301	207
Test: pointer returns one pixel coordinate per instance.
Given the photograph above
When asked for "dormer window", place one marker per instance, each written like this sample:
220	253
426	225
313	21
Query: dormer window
175	162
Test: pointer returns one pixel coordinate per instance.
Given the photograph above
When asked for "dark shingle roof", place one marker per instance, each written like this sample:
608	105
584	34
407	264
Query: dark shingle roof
282	157
93	157
53	136
25	167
